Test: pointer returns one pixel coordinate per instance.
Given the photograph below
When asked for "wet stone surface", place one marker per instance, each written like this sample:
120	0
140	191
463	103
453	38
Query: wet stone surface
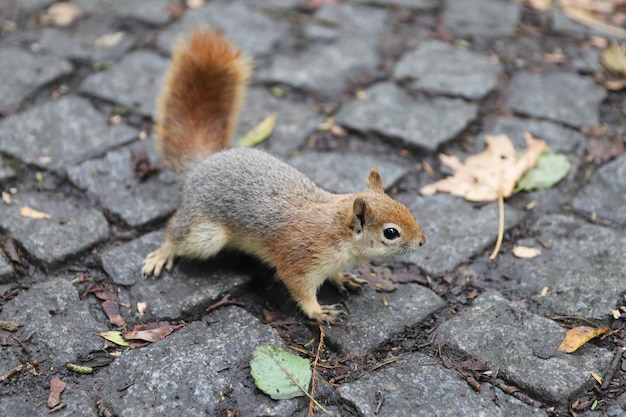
381	393
562	97
23	72
37	137
451	224
515	342
583	269
388	111
72	229
113	180
442	68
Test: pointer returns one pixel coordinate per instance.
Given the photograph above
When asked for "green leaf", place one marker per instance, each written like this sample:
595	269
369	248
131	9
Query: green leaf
260	132
115	337
550	169
280	374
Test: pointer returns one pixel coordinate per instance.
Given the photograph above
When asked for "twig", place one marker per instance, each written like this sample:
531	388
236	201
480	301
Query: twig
8	374
311	412
500	226
225	301
615	364
584	19
575	318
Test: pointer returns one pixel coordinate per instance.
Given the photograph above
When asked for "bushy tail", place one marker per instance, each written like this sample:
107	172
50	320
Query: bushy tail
199	102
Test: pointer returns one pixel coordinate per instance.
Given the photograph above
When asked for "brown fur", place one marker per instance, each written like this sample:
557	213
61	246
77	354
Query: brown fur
199	102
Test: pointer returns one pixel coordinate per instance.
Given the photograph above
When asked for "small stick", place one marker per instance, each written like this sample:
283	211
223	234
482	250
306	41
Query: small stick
615	363
584	19
500	226
311	412
225	301
11	372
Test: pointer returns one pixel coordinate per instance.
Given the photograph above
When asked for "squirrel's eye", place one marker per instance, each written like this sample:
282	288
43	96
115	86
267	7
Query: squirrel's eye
391	233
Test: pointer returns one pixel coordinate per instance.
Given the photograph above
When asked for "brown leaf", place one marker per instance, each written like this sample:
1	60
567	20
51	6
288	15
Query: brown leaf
578	336
150	332
10	326
378	277
112	310
56	388
11	251
34	214
483	176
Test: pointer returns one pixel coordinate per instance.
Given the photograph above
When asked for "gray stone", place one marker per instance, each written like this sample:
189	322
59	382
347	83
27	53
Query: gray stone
442	68
78	403
434	390
456	230
251	29
327	69
72	229
389	111
481	17
423	5
562	24
112	179
186	290
294	123
23	72
68	131
133	82
6	172
31	6
605	195
508	337
587	61
85	42
6	272
346	173
198	370
53	312
153	12
562	97
583	269
371	322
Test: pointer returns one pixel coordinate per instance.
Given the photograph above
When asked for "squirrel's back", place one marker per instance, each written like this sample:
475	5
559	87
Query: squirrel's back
200	98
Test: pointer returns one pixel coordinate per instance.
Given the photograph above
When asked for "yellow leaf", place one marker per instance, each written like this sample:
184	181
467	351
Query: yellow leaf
494	171
578	336
614	60
115	337
595	376
34	214
260	132
525	252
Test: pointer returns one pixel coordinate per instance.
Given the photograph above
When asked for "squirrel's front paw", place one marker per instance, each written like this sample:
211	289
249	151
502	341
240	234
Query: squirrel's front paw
345	281
155	261
329	314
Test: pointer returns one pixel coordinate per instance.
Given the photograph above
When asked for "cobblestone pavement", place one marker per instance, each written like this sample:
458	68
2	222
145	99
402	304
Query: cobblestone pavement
405	79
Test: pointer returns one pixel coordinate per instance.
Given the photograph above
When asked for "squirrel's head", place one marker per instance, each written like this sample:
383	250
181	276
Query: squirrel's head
382	226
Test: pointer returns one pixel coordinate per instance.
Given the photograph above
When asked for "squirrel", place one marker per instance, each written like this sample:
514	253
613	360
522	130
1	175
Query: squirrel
249	200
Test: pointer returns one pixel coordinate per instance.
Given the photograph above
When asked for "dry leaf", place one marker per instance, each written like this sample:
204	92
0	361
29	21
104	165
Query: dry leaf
6	197
614	60
109	40
260	132
578	336
142	307
60	14
56	388
483	176
544	291
34	214
541	5
195	4
44	160
526	252
112	310
150	332
597	377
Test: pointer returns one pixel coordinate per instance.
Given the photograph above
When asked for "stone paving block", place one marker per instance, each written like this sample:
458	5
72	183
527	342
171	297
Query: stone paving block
511	340
152	12
443	68
68	131
481	17
78	403
187	289
418	386
325	69
370	322
346	173
389	111
562	97
122	85
62	326
456	230
196	370
605	194
584	268
244	23
72	229
6	273
295	121
112	179
423	5
23	72
6	172
85	40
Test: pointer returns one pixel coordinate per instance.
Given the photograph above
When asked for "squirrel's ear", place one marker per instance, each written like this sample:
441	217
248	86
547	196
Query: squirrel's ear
374	182
360	209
